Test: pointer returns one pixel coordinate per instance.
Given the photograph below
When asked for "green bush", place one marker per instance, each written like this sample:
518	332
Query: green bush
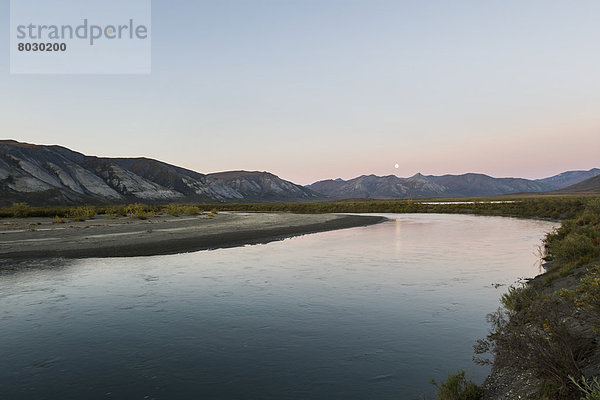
590	389
456	387
21	210
519	298
587	294
140	211
575	247
116	211
192	210
173	209
82	213
577	241
179	209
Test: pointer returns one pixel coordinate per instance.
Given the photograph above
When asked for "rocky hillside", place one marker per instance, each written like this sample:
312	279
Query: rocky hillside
44	175
263	186
568	178
589	186
421	186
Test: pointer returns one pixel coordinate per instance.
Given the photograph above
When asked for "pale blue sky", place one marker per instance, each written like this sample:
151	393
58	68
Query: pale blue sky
311	89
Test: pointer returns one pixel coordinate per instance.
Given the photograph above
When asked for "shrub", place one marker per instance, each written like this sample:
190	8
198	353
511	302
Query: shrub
21	210
192	210
591	389
116	211
539	339
588	217
178	209
577	241
82	213
519	298
575	247
456	387
139	211
173	209
586	296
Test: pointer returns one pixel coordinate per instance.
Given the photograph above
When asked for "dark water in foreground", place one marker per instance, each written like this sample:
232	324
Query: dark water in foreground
365	313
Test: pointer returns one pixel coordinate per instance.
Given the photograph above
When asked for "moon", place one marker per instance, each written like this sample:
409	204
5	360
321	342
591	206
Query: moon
396	166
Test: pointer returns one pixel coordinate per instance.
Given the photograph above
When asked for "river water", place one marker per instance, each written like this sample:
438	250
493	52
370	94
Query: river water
363	313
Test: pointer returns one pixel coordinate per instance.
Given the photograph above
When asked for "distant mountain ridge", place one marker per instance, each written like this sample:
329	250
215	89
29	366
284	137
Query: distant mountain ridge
569	178
589	186
55	175
421	186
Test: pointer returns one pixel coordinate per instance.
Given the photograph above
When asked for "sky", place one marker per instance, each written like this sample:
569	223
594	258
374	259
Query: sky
320	89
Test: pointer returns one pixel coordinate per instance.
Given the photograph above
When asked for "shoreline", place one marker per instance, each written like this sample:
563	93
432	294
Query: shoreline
35	238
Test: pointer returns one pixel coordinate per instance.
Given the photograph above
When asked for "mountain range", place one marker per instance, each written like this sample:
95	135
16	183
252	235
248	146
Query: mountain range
466	185
589	186
55	175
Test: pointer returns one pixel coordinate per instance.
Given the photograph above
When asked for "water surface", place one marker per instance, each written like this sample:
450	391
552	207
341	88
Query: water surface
363	313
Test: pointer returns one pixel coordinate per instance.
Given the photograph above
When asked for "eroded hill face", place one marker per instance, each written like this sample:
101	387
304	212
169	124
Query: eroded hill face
569	178
42	175
263	185
589	186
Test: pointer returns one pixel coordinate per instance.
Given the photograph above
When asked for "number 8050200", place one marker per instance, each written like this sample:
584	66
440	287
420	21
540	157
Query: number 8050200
42	47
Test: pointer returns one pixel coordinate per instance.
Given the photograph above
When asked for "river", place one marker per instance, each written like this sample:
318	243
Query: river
362	313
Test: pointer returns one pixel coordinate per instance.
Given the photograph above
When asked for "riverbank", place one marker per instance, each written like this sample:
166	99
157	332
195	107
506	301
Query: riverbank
109	236
545	207
547	333
569	340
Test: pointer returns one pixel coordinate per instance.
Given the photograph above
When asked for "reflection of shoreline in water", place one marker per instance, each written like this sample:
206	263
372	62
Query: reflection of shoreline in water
24	266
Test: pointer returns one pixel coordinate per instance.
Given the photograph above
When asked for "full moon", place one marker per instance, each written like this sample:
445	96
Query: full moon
396	166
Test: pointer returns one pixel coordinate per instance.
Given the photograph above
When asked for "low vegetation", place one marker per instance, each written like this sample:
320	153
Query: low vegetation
140	211
589	388
81	213
549	326
179	209
457	387
86	212
535	207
